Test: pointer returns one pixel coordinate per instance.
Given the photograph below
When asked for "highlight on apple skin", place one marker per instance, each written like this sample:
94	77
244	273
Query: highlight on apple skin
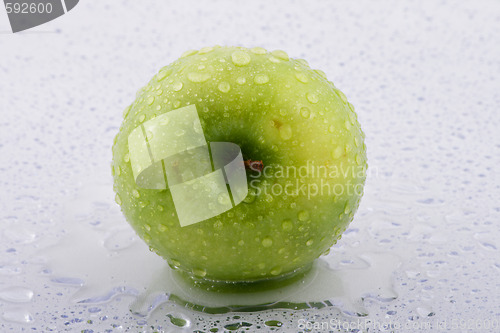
303	151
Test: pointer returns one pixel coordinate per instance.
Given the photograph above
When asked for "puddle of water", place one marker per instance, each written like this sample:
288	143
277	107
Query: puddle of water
101	257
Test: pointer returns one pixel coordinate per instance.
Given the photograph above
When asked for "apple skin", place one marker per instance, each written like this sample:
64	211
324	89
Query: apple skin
280	112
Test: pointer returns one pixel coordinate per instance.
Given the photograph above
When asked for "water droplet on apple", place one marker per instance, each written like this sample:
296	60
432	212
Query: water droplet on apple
261	79
188	53
303	62
150	100
126	158
136	193
320	73
303	215
241	242
341	95
149	135
347	125
147	227
118	200
274	60
177	86
177	104
305	112
206	49
17	315
141	118
180	132
337	153
267	242
301	77
285	131
276	270
309	242
223	199
241	80
162	227
331	128
224	87
240	58
198	77
312	97
160	208
287	225
280	54
163	74
258	50
200	272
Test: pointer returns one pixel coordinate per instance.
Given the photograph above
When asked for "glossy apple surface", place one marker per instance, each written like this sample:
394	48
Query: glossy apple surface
277	110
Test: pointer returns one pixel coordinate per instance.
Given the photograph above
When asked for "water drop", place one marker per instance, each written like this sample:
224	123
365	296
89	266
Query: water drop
285	131
126	158
287	225
141	118
16	294
241	242
309	242
136	193
180	132
164	120
241	80
224	87
267	242
18	316
341	95
188	53
276	270
147	227
312	98
301	77
280	55
163	74
150	100
273	323
320	73
177	86
160	208
274	60
337	153
240	58
149	135
205	50
199	272
261	79
162	227
258	50
118	200
303	215
197	77
305	112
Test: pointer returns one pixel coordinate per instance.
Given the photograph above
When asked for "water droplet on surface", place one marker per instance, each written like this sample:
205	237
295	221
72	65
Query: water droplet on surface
312	97
163	74
164	120
337	153
188	53
305	112
241	80
199	272
241	242
267	242
197	77
240	58
16	294
287	225
258	50
17	316
136	193
261	79
280	55
150	100
309	242
223	199
285	131
180	132
177	86
276	270
118	200
206	49
126	158
301	77
224	87
149	135
141	118
320	73
303	215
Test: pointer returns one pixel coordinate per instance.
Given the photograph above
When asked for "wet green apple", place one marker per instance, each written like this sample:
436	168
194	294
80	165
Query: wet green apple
303	149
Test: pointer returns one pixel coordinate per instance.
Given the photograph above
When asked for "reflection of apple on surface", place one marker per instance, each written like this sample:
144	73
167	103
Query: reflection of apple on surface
303	149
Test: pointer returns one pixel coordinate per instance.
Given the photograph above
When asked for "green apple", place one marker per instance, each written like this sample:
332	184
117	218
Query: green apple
303	149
